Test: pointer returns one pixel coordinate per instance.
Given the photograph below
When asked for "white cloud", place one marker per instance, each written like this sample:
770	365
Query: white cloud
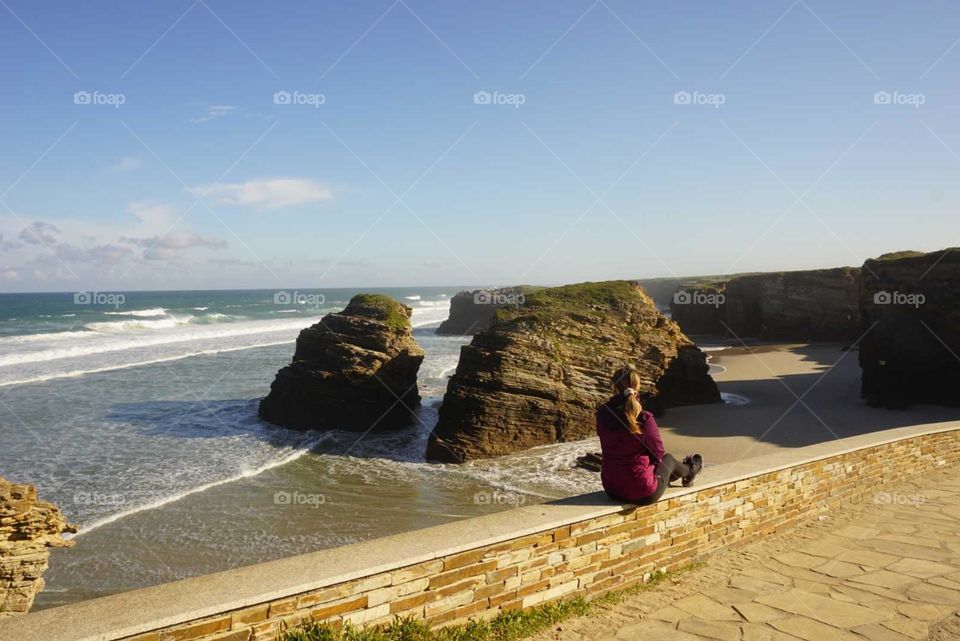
105	254
7	245
50	247
267	193
153	215
213	112
39	233
171	245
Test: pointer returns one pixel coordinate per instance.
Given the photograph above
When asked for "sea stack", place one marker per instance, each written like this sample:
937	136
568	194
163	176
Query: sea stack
28	529
473	311
537	374
354	370
910	309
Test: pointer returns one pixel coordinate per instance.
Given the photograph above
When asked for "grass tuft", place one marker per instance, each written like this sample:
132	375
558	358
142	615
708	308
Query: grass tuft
380	307
506	626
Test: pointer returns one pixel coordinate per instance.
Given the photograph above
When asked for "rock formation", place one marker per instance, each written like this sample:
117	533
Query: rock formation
818	304
28	529
699	308
537	374
910	309
472	311
661	290
354	370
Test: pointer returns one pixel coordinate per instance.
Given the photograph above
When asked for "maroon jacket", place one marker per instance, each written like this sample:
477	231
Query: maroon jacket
629	460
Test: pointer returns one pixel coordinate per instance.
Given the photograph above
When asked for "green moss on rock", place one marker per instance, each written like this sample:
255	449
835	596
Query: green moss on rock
546	306
379	307
898	255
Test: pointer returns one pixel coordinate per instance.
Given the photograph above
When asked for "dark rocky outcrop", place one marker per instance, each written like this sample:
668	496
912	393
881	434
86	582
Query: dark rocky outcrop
699	308
591	461
537	374
818	304
910	309
472	311
354	370
29	527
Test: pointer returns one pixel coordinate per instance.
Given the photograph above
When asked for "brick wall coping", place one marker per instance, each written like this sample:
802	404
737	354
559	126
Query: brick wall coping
129	613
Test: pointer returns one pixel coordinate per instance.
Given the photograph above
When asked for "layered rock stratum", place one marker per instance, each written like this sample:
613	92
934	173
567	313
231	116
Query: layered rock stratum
29	527
818	304
354	370
537	374
472	311
910	310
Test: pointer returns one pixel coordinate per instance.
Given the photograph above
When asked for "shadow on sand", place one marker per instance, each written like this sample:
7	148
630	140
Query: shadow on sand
794	410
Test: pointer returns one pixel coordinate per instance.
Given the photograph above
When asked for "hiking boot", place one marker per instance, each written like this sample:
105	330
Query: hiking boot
695	463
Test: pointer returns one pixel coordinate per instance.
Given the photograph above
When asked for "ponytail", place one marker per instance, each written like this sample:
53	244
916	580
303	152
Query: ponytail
626	381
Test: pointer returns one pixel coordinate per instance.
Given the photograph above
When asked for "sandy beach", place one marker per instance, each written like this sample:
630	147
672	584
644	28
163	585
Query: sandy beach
798	394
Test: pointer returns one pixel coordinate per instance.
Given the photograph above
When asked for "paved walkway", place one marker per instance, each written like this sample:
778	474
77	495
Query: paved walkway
885	570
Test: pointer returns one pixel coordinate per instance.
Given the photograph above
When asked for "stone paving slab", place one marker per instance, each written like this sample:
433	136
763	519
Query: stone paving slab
893	574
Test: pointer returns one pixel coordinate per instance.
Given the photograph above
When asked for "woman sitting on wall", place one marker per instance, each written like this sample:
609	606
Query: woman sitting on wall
635	467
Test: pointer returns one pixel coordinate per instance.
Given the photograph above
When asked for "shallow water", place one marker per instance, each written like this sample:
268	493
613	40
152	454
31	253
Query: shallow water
140	422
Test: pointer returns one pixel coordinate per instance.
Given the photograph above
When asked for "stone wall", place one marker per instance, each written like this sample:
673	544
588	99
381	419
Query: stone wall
585	557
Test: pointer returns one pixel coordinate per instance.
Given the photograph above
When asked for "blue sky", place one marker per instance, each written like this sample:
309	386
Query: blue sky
588	162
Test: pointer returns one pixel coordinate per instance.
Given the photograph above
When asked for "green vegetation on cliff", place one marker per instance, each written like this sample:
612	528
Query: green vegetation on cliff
898	255
545	306
380	307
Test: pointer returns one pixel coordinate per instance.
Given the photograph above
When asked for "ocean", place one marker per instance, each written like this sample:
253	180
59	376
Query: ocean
136	413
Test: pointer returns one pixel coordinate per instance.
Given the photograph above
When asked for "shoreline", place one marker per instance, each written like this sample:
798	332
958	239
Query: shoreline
385	487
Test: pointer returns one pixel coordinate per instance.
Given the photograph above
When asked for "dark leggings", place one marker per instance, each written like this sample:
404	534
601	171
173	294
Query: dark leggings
668	471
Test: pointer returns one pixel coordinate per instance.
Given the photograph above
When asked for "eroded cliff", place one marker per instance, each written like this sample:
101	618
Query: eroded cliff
910	308
354	370
537	374
29	527
472	311
817	304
